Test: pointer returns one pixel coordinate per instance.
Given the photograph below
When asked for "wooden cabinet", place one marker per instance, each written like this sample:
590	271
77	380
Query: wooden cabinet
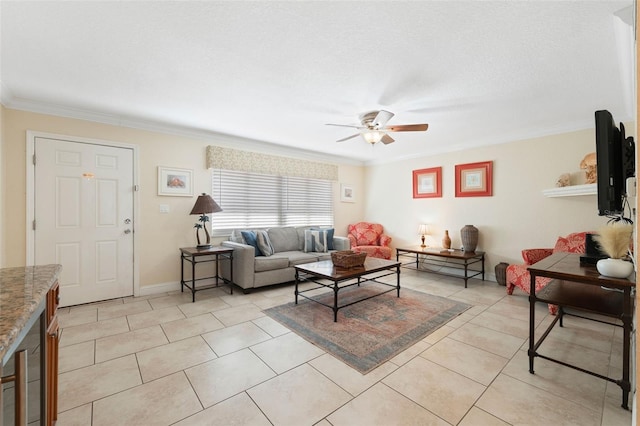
52	345
29	337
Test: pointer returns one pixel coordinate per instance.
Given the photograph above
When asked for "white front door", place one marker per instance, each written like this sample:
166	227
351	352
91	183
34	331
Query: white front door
84	217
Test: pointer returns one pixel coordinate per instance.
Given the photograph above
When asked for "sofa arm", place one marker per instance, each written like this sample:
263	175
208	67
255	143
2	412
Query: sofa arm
243	264
341	243
352	240
385	240
532	256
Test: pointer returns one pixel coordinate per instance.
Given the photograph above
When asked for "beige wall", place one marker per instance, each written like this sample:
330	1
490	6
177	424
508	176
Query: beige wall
158	235
517	216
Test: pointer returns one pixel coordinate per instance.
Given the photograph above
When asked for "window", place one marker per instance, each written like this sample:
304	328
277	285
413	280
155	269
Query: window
253	200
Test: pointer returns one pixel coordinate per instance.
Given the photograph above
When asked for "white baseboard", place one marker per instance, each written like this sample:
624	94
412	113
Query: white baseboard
152	289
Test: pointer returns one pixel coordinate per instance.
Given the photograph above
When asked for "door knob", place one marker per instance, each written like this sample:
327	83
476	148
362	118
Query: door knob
127	221
127	231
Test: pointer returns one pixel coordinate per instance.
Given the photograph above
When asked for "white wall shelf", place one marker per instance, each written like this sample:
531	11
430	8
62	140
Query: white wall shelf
571	191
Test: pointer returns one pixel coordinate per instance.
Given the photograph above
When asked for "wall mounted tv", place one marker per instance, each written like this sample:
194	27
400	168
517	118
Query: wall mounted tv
615	155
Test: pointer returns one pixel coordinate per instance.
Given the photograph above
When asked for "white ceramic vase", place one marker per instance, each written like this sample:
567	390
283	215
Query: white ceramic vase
614	268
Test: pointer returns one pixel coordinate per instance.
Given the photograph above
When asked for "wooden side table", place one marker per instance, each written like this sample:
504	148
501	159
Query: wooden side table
211	254
580	287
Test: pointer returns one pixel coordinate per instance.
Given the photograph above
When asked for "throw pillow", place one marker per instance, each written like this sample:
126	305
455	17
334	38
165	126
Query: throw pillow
562	245
264	243
236	237
251	239
330	232
315	241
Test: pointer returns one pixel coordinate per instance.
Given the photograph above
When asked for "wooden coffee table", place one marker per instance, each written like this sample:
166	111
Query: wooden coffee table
340	278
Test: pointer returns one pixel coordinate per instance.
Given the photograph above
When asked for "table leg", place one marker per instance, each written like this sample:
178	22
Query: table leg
193	279
335	300
483	267
398	279
296	290
466	278
532	319
181	272
626	347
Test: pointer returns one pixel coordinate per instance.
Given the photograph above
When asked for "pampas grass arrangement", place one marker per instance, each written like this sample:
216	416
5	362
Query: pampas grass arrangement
615	239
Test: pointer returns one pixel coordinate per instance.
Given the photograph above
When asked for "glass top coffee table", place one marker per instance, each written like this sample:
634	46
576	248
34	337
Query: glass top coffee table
341	278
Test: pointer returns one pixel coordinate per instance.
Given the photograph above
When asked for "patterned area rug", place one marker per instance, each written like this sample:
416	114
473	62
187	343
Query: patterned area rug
368	333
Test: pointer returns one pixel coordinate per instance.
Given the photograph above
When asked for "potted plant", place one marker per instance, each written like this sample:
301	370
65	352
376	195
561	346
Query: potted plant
614	240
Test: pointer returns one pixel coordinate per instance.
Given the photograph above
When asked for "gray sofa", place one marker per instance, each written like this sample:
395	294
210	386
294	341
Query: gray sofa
288	243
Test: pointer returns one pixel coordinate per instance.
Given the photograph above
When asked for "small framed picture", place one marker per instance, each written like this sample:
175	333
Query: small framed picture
474	179
347	194
175	182
427	183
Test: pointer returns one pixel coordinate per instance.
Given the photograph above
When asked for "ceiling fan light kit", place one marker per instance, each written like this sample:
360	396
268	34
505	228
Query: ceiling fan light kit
373	136
373	128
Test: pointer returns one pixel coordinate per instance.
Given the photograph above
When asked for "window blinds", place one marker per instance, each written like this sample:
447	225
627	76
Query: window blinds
253	200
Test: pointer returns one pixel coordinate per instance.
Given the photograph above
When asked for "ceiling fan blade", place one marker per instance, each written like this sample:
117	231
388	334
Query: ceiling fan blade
381	118
344	125
386	139
347	138
407	128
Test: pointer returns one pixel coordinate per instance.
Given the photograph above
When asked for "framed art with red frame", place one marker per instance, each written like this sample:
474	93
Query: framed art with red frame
474	179
427	183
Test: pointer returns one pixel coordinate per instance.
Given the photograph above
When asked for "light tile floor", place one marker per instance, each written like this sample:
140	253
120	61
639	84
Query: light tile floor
162	360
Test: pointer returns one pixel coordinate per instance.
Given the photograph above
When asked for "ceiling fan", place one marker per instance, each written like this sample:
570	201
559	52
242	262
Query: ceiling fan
374	129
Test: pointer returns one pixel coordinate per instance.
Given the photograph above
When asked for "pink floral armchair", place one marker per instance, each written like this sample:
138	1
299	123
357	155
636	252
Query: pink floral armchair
369	238
518	275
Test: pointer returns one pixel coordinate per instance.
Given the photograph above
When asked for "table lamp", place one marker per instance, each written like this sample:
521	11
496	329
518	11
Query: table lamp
204	205
423	230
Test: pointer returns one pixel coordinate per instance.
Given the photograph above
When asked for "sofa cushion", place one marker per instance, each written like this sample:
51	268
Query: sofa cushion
296	257
251	239
264	243
283	238
315	241
270	263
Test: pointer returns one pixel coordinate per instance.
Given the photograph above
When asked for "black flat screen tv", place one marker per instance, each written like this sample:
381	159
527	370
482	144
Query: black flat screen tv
615	156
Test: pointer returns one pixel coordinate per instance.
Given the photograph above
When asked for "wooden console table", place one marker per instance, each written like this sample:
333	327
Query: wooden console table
579	287
439	257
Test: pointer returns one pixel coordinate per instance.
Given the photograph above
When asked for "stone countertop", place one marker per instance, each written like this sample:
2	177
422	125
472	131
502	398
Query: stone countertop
22	292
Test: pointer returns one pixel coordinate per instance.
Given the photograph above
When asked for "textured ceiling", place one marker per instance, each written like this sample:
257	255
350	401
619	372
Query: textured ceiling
479	72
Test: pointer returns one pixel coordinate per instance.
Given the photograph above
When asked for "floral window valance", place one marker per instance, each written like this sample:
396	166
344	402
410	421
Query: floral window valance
234	159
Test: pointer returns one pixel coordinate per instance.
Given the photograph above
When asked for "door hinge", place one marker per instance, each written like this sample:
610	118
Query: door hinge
34	159
136	188
34	225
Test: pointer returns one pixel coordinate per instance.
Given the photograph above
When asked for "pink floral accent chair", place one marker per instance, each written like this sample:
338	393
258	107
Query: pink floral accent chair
369	238
518	275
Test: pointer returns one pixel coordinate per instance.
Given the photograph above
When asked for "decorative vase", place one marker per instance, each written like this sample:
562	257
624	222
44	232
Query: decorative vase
469	237
446	241
614	268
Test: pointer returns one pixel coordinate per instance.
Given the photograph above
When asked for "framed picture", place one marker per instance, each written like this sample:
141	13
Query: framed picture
427	183
347	194
175	182
474	179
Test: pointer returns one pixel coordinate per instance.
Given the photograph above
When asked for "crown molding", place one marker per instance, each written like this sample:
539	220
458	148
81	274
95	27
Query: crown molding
222	139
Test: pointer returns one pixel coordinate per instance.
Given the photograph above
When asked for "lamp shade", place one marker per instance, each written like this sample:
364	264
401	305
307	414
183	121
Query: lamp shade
423	229
205	205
